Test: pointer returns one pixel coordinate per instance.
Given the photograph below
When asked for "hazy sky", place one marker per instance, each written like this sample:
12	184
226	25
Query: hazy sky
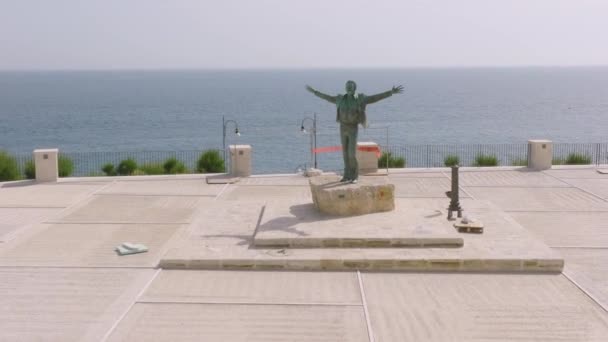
151	34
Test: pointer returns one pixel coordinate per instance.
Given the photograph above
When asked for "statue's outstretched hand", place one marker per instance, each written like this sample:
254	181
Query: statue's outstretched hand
397	89
310	89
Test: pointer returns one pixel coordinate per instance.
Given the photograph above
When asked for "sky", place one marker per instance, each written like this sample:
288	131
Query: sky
251	34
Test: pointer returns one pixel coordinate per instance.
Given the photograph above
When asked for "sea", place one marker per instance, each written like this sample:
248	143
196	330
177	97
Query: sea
183	110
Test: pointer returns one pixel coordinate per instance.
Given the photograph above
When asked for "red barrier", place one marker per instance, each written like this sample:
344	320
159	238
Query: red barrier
326	149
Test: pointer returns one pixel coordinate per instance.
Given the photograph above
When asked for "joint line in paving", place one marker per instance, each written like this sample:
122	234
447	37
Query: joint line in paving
221	191
370	333
245	303
585	292
576	187
124	314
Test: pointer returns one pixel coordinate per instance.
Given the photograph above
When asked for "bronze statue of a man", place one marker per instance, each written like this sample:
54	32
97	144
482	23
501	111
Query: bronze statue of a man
351	113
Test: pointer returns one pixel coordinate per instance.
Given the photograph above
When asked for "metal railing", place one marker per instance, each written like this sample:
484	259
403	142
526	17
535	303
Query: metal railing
419	156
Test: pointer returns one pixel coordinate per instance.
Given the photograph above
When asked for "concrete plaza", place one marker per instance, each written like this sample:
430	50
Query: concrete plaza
203	280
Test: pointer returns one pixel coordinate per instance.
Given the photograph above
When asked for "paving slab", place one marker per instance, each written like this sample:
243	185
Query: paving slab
260	194
575	172
45	195
598	187
539	199
477	307
567	229
588	268
514	178
504	246
303	226
58	304
291	180
134	209
422	187
427	174
262	287
14	220
87	245
241	323
164	187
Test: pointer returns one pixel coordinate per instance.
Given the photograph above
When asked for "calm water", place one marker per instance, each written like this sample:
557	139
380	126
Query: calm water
182	110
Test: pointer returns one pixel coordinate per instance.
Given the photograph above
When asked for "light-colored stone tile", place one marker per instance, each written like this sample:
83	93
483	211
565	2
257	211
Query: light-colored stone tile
164	187
575	172
521	178
48	304
572	229
262	287
52	195
241	323
475	307
260	194
539	199
135	209
430	174
84	245
422	187
302	225
504	246
291	180
598	187
589	269
12	220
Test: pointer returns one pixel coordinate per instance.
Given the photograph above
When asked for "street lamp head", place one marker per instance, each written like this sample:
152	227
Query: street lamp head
236	131
302	129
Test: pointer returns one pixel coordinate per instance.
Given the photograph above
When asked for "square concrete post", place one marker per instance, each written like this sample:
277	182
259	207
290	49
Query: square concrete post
47	165
240	160
540	154
367	157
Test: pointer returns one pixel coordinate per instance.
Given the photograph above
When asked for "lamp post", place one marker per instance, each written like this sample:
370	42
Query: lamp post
236	131
313	138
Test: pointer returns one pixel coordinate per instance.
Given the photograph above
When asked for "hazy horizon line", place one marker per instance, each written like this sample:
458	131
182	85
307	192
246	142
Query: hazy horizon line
307	68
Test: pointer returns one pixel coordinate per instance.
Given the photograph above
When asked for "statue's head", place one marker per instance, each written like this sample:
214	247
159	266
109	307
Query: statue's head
351	87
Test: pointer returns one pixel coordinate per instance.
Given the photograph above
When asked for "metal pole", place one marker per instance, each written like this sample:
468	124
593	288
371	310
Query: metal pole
224	140
314	129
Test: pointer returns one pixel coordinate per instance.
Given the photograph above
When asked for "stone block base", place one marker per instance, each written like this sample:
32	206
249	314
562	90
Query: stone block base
369	195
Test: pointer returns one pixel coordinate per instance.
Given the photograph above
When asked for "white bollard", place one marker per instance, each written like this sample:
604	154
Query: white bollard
240	160
46	163
540	154
367	160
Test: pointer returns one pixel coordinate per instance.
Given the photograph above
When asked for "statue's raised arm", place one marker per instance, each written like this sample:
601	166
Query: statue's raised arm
377	97
325	97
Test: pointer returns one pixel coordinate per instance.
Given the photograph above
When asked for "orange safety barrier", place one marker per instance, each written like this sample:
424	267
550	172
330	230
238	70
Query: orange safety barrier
326	149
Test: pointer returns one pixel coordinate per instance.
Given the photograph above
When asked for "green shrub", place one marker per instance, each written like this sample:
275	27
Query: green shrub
65	165
152	168
210	162
519	162
126	167
451	160
9	170
558	161
173	166
578	159
392	161
485	160
108	169
30	169
138	172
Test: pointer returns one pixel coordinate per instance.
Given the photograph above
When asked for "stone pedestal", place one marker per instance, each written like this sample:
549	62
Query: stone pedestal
47	166
240	160
367	157
540	154
369	195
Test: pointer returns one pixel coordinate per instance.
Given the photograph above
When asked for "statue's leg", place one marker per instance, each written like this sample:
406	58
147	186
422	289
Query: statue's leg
352	151
344	141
